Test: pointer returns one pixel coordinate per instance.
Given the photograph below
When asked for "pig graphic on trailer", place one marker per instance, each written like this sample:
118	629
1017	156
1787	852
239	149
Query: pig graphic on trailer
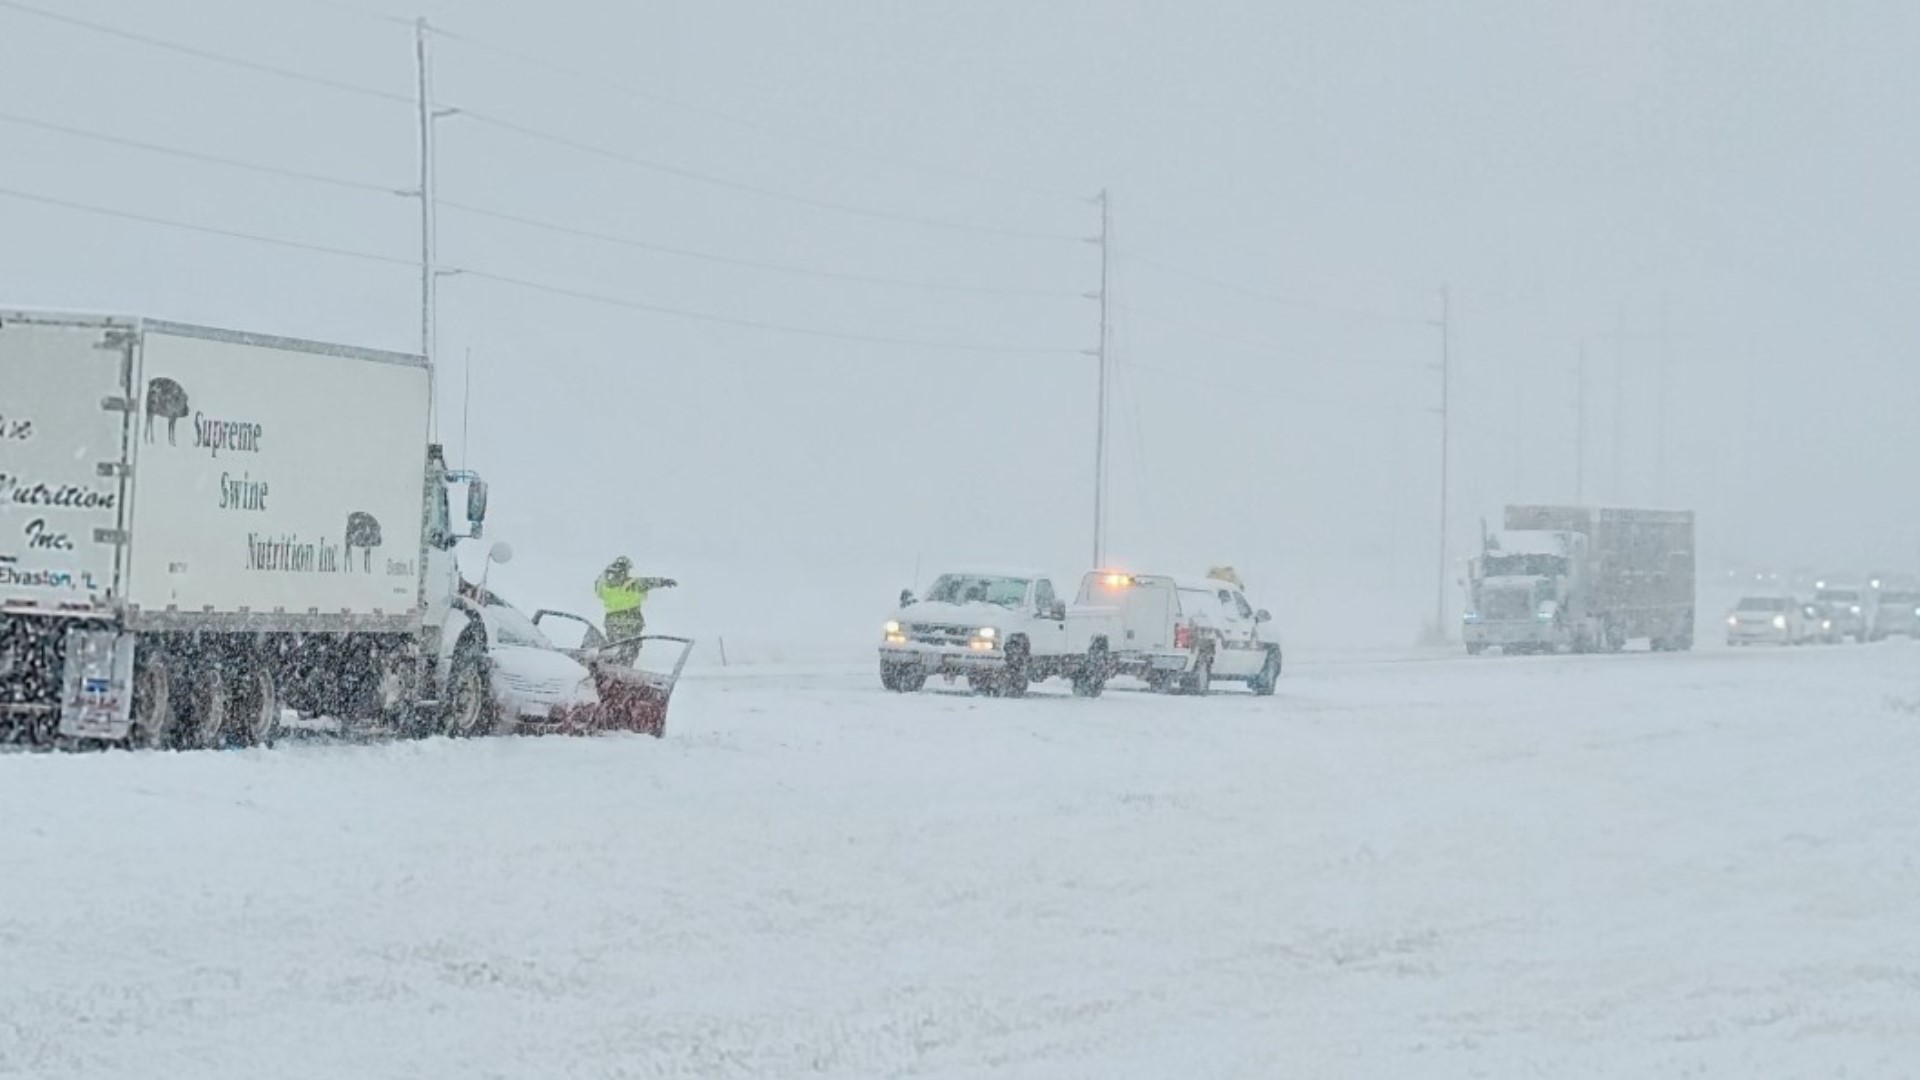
168	400
363	532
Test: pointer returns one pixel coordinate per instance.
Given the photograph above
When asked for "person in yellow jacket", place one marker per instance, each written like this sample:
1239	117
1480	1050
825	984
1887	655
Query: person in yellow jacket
622	595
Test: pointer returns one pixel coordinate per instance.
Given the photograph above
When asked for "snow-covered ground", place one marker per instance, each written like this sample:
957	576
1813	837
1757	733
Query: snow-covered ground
1412	866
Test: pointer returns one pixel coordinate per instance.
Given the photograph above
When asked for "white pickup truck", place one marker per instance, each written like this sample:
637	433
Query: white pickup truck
1002	630
1183	634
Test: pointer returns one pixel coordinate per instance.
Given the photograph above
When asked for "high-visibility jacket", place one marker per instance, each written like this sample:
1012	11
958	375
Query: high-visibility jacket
620	597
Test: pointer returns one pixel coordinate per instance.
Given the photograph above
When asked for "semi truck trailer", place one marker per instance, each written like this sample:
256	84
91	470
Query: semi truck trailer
1582	579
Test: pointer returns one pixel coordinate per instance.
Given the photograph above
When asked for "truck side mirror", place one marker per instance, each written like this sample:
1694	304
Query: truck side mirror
1058	612
906	597
500	552
1263	615
476	503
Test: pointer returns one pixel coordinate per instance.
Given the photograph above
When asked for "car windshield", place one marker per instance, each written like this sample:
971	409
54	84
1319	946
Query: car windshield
1899	597
1006	592
1838	596
510	627
1496	565
1763	603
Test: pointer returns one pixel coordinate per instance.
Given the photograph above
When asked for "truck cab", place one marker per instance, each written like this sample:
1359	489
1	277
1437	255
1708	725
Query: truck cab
1522	595
1001	630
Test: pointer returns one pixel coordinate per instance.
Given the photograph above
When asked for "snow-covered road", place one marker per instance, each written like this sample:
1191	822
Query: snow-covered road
1613	866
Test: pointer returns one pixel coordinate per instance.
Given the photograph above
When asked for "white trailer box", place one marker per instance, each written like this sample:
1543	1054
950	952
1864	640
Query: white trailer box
62	448
274	482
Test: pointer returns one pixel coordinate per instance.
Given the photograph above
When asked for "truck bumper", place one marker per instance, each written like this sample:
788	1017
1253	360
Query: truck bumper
942	660
1512	632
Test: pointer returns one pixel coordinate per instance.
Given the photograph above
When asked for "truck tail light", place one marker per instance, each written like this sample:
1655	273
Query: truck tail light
1182	636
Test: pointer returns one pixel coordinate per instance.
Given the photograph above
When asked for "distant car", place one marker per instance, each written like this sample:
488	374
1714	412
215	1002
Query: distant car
1850	609
1769	620
1817	623
1896	612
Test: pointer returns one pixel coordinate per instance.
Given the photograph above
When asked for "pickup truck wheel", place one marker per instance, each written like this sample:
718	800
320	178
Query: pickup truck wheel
1474	648
890	677
1200	683
1264	684
209	697
470	705
1014	679
153	705
1091	679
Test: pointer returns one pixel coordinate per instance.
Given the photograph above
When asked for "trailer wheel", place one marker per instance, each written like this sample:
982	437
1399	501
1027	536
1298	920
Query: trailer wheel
209	702
256	705
153	705
470	705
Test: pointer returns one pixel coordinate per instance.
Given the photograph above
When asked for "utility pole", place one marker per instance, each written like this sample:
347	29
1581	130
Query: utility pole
1100	415
1620	405
425	192
1446	404
1662	358
1580	426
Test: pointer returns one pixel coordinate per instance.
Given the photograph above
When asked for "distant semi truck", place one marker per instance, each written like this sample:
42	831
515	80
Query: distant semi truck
1583	579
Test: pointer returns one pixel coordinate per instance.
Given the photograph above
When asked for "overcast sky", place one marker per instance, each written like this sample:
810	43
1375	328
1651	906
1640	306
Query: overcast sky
1717	197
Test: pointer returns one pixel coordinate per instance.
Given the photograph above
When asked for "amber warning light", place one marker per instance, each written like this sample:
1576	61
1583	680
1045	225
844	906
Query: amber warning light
1119	581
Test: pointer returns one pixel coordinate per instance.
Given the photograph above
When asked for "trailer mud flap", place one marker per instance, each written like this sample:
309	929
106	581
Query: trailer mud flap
96	699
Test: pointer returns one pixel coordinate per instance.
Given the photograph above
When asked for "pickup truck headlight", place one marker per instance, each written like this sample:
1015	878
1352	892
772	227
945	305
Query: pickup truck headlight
1779	622
1733	620
1855	609
985	639
896	634
987	632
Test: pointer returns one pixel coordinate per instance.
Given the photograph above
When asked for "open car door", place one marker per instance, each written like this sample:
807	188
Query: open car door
634	678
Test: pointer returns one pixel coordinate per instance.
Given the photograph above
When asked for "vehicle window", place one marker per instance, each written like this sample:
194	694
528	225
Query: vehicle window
1005	592
1899	597
1762	603
1226	602
509	627
1198	603
1043	594
1246	609
1839	596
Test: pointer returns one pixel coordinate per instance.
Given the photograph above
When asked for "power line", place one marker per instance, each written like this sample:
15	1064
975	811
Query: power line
193	155
526	283
728	260
696	176
526	131
534	223
1305	305
1229	339
208	55
571	71
355	9
755	324
233	234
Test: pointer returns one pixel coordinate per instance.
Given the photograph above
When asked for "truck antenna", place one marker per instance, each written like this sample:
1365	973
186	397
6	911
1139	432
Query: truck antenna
466	404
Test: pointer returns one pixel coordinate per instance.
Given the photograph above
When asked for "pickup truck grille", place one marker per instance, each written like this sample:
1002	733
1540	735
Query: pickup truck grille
940	633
